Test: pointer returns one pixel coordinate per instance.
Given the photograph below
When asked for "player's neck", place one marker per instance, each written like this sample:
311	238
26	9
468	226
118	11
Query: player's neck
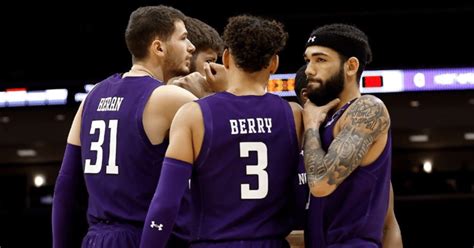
247	83
241	90
141	69
350	92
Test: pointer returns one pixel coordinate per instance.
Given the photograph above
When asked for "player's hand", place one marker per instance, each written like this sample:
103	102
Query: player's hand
314	115
216	76
194	83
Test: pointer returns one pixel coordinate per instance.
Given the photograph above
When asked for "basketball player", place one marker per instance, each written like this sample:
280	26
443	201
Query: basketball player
391	230
242	146
347	143
209	46
119	136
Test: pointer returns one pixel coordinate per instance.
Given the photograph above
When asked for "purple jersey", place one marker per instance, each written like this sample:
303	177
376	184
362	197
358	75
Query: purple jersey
121	166
353	215
301	197
244	175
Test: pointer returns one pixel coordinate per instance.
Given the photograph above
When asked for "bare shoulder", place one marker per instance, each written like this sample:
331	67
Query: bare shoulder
298	117
368	103
168	99
172	93
161	109
74	136
295	107
189	111
371	99
368	112
297	113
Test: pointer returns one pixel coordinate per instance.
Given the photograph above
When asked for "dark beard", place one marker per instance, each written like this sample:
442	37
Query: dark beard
328	90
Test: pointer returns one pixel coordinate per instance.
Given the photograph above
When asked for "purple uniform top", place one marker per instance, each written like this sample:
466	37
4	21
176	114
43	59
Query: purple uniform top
301	197
243	178
121	166
354	214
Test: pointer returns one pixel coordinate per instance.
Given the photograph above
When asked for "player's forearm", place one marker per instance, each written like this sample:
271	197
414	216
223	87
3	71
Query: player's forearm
392	237
164	207
69	201
313	157
67	215
319	164
159	223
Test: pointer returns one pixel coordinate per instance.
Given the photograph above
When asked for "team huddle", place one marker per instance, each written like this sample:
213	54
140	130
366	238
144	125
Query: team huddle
183	152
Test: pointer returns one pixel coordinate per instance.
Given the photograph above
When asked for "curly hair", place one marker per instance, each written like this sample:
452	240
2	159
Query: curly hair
203	36
146	23
253	41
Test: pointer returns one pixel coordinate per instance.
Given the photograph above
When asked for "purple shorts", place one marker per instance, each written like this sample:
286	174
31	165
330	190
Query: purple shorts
264	243
112	235
121	235
355	243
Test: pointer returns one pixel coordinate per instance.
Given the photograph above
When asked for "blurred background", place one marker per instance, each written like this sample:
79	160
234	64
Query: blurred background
57	50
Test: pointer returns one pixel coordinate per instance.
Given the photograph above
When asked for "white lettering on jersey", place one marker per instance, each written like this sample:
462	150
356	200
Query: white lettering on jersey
233	127
110	104
242	124
250	125
260	125
302	179
268	124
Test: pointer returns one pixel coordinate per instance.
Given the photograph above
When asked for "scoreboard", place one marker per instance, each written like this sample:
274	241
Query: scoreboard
372	81
389	81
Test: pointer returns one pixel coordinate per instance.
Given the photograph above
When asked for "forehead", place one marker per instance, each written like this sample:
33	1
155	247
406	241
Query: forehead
207	53
319	51
179	28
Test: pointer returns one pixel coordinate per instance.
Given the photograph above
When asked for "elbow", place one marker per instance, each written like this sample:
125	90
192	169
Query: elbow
320	192
322	189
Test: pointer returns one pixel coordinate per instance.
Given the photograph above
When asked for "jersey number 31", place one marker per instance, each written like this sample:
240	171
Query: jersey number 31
111	167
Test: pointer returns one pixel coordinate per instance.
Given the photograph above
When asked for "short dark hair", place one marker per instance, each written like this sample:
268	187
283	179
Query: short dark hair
148	22
253	41
301	81
347	40
203	36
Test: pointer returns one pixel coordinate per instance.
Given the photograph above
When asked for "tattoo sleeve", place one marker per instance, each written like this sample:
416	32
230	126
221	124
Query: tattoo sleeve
363	123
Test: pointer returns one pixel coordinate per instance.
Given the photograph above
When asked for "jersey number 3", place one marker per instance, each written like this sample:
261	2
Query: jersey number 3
111	167
257	169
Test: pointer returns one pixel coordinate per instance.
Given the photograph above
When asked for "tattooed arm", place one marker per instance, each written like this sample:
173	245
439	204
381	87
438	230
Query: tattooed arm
365	121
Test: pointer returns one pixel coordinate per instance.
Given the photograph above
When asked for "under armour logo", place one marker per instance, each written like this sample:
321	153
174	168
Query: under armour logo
159	226
311	39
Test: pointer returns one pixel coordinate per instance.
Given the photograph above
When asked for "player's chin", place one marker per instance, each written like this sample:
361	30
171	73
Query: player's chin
185	70
187	67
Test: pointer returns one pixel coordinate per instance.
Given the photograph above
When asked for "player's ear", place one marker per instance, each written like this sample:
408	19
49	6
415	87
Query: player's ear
157	47
274	62
352	65
303	95
226	58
